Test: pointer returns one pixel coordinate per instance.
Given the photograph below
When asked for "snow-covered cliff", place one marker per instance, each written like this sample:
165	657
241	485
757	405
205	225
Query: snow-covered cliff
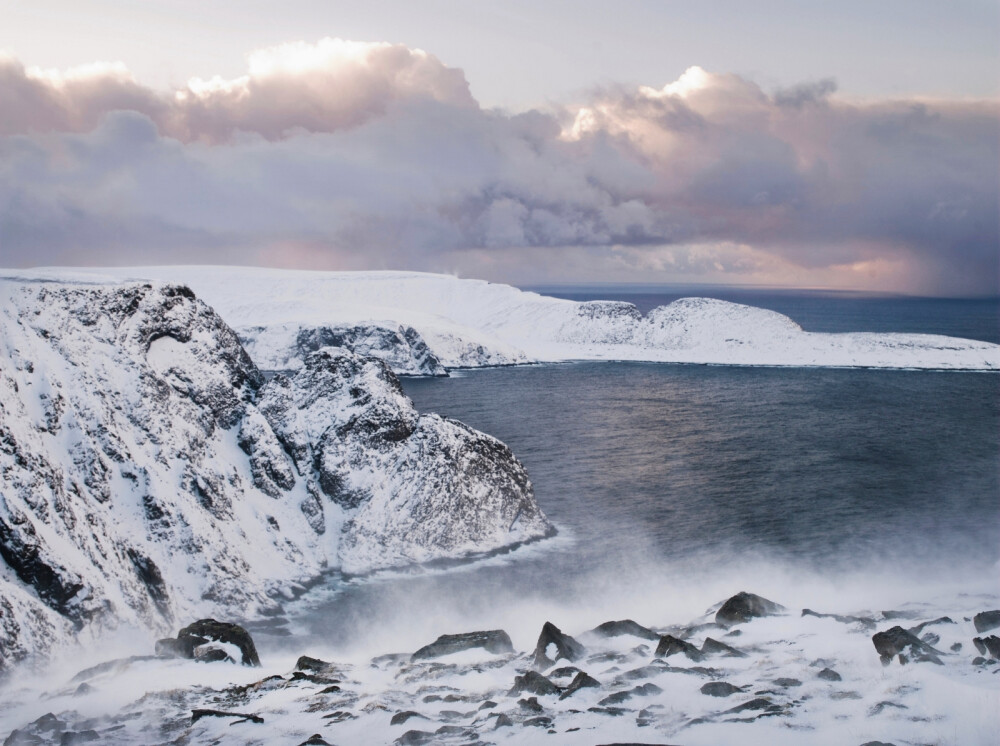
149	474
471	323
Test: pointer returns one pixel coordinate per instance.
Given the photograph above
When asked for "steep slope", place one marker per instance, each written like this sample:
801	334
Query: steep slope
470	323
148	474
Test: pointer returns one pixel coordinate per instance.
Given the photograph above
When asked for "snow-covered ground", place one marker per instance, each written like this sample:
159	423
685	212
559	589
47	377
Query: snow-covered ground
790	679
470	323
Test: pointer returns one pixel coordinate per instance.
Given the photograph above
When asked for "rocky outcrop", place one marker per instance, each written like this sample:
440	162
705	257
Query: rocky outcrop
553	645
984	621
196	641
745	606
284	347
898	642
148	472
493	641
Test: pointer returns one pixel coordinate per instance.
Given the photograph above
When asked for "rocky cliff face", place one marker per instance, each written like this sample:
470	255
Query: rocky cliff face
148	473
284	347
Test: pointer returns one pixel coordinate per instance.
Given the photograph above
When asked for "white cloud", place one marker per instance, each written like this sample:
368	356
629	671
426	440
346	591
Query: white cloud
356	154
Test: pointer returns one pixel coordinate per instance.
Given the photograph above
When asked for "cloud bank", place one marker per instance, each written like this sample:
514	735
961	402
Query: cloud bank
354	155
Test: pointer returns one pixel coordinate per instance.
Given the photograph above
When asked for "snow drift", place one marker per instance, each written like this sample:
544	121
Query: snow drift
471	323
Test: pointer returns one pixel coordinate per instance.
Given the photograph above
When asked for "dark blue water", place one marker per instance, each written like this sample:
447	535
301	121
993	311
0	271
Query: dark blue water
659	474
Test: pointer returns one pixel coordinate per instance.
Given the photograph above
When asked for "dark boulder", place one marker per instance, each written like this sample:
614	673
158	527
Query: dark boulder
787	683
305	663
565	647
530	704
503	721
533	682
720	689
640	691
315	740
745	606
986	620
581	681
493	641
897	641
625	627
988	645
401	717
669	645
714	647
828	674
226	632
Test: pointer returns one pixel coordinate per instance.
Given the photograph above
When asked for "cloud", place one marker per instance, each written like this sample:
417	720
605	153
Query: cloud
343	154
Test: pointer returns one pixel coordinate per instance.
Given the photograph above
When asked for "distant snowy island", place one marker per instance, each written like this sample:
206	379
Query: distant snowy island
424	324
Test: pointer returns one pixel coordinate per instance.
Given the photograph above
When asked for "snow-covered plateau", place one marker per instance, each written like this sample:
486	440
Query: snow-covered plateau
747	671
420	323
150	474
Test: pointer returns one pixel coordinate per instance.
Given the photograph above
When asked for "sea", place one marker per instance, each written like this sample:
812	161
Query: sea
673	486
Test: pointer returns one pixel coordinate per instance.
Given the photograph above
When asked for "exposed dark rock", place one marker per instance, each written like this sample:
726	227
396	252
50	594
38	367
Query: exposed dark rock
864	621
414	738
503	721
988	645
211	654
73	738
234	634
530	704
745	606
787	683
900	614
759	703
563	672
640	691
488	705
305	663
615	712
720	689
243	717
828	674
493	641
669	645
538	722
582	681
714	647
315	740
882	706
956	647
533	682
896	641
564	647
877	743
986	620
923	625
625	627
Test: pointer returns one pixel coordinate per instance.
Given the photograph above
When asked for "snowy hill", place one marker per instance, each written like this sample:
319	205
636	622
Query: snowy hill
470	323
149	474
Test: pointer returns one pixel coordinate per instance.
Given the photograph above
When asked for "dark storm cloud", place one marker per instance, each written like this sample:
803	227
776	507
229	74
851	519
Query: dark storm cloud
377	155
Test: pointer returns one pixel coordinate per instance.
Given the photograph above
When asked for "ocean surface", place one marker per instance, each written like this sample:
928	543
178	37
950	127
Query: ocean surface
671	479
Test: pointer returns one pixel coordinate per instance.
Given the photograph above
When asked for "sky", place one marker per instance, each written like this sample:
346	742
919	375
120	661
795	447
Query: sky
849	145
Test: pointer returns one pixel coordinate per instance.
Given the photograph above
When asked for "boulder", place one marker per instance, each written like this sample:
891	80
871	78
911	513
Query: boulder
669	645
581	681
745	606
986	620
828	674
714	647
553	644
193	642
988	645
624	627
719	689
493	641
533	682
897	641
